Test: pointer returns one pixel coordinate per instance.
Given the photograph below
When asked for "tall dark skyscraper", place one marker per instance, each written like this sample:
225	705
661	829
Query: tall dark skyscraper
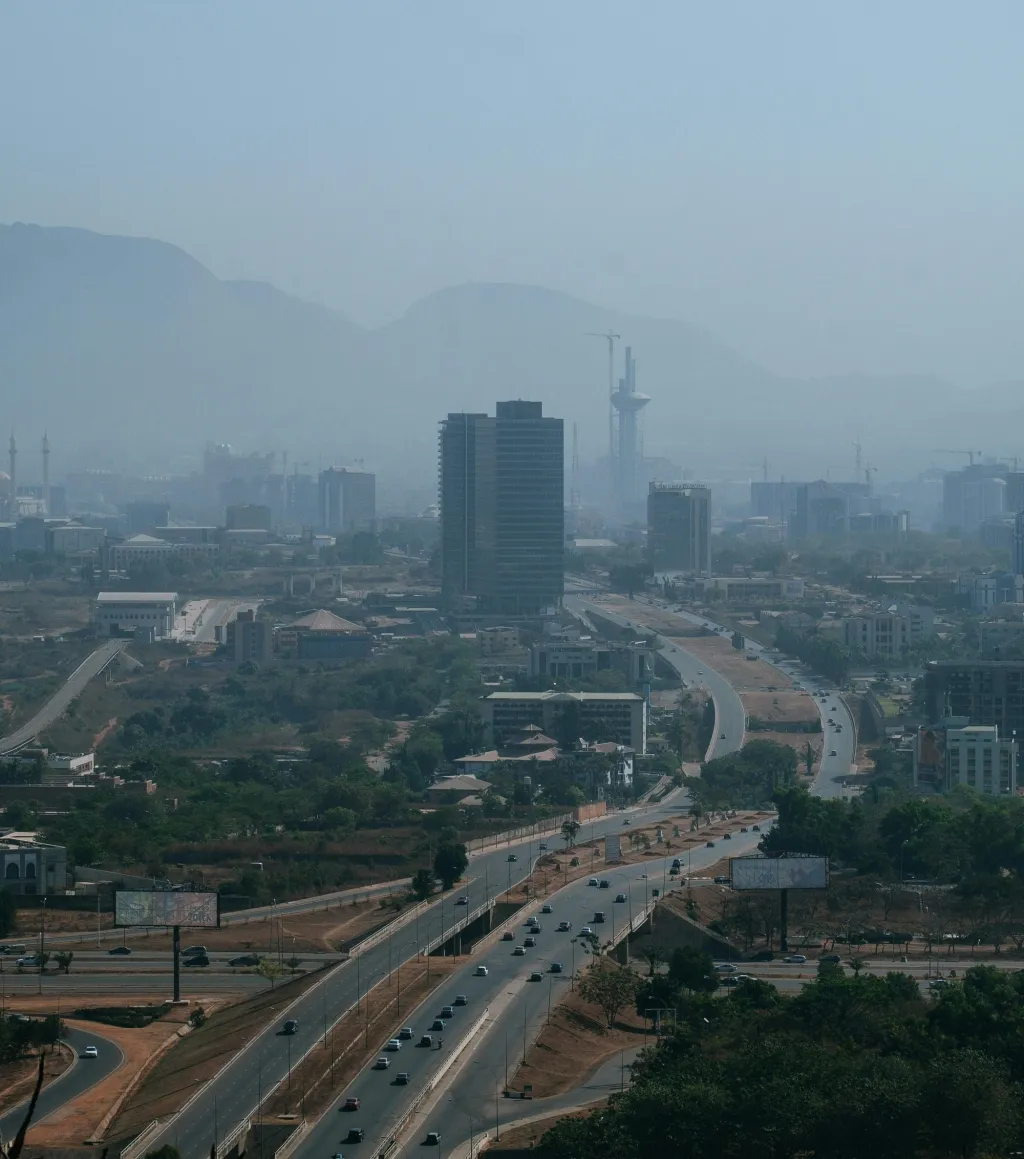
502	509
679	527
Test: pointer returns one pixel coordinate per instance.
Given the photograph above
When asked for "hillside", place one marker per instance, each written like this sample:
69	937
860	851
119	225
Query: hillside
133	354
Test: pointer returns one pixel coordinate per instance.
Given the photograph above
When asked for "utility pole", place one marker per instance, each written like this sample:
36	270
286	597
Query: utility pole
609	336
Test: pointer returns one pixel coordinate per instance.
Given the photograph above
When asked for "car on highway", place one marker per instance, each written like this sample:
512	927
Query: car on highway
832	753
542	846
530	943
462	900
676	863
197	960
90	1052
291	1026
519	952
625	821
433	1139
402	1078
382	1063
586	931
710	844
598	917
244	960
743	829
726	836
605	883
405	1033
447	1012
938	984
592	881
556	967
508	936
721	736
350	1104
461	1000
426	1040
480	972
831	958
195	950
795	959
723	879
437	1024
120	950
563	927
725	968
355	1135
512	857
394	1044
756	828
620	897
30	960
545	908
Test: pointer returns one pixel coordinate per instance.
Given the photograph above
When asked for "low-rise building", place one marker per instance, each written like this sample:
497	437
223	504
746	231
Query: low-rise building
323	636
951	754
877	634
32	867
991	589
622	714
743	589
145	613
490	641
583	659
248	639
999	637
142	551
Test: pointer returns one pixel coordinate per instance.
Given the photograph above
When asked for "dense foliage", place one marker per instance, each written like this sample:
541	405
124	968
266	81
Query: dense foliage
848	1068
744	779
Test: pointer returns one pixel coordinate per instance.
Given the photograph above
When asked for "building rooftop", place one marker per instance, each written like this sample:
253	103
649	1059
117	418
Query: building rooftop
136	597
564	696
464	783
324	621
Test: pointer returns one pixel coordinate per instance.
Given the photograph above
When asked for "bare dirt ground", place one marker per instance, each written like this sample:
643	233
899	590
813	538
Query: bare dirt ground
527	1137
573	1045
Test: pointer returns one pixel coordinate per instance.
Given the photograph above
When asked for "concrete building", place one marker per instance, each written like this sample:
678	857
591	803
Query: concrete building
878	634
627	403
988	692
773	501
347	500
679	527
249	639
824	508
965	754
583	659
921	618
80	765
502	509
31	867
622	713
1001	639
502	638
973	495
1017	566
743	589
144	551
148	613
991	589
74	539
248	517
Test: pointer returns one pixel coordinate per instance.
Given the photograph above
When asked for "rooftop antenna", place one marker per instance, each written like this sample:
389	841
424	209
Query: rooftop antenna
609	336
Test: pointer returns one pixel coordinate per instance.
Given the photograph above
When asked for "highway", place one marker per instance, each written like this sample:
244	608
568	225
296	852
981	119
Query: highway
503	1041
57	705
78	1078
234	1092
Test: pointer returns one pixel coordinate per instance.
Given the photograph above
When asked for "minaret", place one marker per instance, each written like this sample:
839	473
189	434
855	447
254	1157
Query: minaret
12	450
46	471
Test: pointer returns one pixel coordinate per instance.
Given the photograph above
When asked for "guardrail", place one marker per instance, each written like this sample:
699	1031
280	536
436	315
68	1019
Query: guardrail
223	1147
141	1141
292	1142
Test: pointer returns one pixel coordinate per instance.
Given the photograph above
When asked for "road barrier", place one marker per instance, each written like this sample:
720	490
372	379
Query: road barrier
141	1141
239	1133
291	1143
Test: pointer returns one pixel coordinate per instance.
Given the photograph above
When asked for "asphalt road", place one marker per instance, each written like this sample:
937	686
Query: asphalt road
235	1091
56	706
731	718
501	1045
78	1078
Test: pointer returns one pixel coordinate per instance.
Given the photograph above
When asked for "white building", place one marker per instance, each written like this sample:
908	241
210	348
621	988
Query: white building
146	613
991	589
148	551
977	758
878	634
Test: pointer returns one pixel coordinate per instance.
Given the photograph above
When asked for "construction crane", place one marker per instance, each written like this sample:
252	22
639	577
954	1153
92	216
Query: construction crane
970	454
857	448
609	336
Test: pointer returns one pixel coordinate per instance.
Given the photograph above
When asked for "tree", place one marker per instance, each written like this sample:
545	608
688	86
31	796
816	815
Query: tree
570	828
423	884
858	964
270	969
64	959
164	1152
654	956
693	969
450	863
609	986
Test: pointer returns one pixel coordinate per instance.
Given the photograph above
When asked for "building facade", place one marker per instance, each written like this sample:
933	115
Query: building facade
31	867
348	500
964	754
880	634
623	714
982	692
249	639
502	484
679	527
149	613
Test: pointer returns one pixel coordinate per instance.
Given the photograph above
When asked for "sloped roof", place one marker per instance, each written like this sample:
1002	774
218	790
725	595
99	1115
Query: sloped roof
464	783
324	621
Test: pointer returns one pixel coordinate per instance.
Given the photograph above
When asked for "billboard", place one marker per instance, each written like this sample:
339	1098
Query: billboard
612	847
779	872
145	907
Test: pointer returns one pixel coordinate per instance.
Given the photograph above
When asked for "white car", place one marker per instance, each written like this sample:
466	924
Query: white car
90	1052
480	972
394	1044
795	959
726	968
382	1063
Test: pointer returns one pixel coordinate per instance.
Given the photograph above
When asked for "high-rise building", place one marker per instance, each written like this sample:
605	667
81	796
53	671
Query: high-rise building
628	403
501	485
989	692
679	527
1018	543
347	500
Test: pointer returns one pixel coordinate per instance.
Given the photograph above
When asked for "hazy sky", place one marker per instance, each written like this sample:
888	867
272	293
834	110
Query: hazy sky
832	187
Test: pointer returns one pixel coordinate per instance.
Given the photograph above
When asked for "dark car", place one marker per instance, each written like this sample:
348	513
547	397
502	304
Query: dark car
710	844
244	960
726	836
351	1104
461	1000
556	967
530	943
437	1024
722	879
512	857
831	958
197	960
756	828
355	1135
605	883
120	950
447	1012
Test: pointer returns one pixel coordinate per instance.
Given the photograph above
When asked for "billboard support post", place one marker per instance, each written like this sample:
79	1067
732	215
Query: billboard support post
784	921
176	953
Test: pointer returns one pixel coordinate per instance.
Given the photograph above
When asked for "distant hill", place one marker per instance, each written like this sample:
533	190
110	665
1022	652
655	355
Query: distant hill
133	354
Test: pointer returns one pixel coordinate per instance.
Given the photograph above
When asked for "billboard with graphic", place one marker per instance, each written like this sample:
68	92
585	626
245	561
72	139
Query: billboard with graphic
147	907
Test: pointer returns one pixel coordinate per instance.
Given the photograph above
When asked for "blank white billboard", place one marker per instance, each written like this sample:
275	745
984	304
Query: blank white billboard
779	872
612	847
143	907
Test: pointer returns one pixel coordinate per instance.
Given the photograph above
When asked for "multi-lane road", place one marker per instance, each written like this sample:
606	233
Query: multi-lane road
232	1096
57	705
